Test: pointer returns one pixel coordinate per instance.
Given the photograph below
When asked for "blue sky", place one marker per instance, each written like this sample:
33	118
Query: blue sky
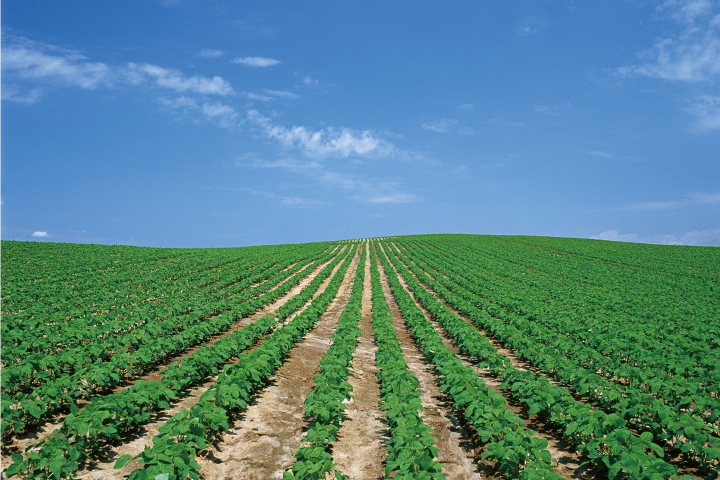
195	123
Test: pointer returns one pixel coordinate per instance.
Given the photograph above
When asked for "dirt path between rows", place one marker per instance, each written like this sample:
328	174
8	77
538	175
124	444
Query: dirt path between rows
44	430
568	459
456	450
104	469
564	452
261	443
360	446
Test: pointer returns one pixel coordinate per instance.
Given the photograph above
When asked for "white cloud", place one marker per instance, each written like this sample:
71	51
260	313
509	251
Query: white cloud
211	53
706	110
360	188
693	55
292	164
28	60
300	202
367	190
282	94
686	11
691	200
444	125
698	237
397	197
598	153
705	198
180	103
40	234
261	98
549	109
310	82
175	80
224	114
256	61
12	93
324	142
447	125
465	107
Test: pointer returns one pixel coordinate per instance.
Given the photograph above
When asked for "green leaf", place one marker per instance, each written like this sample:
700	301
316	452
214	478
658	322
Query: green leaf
657	449
122	461
17	458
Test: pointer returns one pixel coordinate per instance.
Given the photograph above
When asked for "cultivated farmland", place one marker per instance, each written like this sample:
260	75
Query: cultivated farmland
437	356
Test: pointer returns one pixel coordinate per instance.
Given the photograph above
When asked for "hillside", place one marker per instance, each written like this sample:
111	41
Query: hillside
428	356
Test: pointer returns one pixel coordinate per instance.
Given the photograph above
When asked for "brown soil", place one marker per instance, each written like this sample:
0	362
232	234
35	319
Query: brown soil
261	443
359	448
562	450
568	459
456	451
44	429
104	468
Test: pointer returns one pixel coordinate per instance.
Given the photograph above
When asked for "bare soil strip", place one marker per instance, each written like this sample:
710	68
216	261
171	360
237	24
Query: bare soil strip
568	459
360	445
135	445
564	452
261	444
456	451
44	430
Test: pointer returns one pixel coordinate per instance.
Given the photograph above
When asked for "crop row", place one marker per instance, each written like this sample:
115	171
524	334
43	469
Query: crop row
174	449
509	443
37	333
153	347
411	451
324	405
678	343
680	425
87	433
605	439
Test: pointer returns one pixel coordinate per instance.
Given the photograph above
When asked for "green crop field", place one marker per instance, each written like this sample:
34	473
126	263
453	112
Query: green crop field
429	356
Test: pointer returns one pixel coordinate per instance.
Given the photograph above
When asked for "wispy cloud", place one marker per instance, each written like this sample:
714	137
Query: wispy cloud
691	200
292	164
706	110
282	94
255	61
698	237
12	93
531	25
261	98
327	142
368	191
40	234
693	55
360	188
52	66
549	109
300	202
211	53
444	125
447	125
599	153
465	107
24	59
225	115
175	80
